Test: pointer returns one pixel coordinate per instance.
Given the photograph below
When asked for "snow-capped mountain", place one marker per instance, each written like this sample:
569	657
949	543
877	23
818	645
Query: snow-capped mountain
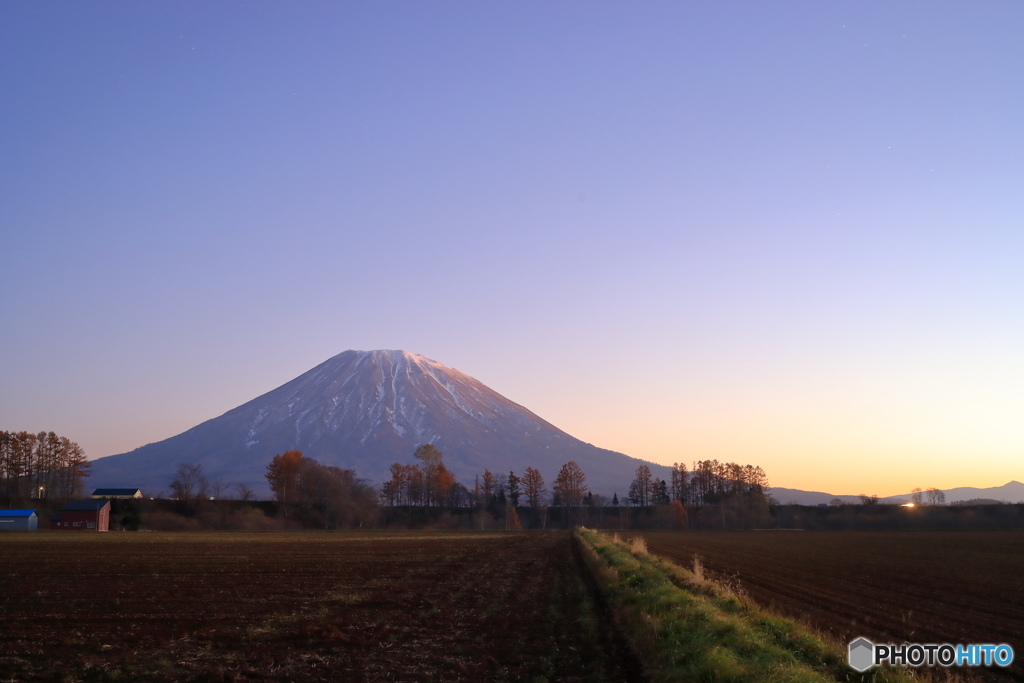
365	410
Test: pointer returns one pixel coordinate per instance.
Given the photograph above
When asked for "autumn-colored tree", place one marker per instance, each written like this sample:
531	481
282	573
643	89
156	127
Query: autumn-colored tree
442	484
282	475
430	483
430	458
533	487
513	519
570	484
74	468
395	491
679	513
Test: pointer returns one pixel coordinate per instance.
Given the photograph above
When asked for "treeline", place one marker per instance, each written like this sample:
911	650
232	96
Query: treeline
430	483
710	482
884	516
308	495
40	466
321	495
425	493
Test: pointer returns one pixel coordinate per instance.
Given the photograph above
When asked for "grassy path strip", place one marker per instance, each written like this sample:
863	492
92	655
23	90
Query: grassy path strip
689	629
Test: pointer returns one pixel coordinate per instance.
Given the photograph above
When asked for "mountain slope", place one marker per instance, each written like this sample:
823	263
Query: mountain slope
1012	492
365	410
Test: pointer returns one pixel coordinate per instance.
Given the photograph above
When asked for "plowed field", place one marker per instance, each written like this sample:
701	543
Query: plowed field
302	607
889	586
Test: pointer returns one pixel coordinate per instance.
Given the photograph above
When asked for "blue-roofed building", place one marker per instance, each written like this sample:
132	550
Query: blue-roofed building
18	520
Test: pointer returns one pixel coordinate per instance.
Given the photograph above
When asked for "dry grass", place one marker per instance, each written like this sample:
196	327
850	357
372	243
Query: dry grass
698	569
689	627
638	546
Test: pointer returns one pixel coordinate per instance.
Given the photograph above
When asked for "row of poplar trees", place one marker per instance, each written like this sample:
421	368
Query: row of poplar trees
709	482
429	482
43	465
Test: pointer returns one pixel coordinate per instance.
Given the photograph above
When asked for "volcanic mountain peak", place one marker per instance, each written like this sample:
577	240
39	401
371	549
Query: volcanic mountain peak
365	410
358	395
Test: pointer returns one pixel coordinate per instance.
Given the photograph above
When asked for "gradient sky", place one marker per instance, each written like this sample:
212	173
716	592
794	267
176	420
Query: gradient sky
787	234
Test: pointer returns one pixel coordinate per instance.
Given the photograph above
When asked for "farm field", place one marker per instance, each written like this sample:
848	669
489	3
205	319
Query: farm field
889	586
302	607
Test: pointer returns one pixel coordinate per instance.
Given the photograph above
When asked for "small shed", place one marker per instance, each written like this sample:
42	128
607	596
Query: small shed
18	520
118	494
83	515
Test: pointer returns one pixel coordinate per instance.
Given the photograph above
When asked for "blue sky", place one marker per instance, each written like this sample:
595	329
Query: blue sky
788	234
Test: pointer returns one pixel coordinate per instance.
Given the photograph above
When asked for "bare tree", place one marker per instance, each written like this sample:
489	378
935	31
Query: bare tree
680	482
916	496
244	492
189	481
217	487
641	488
500	484
488	487
936	497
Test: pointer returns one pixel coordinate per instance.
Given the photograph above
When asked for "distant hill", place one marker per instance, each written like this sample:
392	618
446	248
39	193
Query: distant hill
977	501
1013	492
365	410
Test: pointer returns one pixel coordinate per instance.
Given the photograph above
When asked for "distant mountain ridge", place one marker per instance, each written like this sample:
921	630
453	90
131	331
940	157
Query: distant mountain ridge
1012	492
365	410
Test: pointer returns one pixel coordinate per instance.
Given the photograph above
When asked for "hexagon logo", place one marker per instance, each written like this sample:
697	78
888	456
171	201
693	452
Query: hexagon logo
862	654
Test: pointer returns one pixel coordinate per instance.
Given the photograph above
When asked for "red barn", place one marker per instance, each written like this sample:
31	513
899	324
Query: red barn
83	515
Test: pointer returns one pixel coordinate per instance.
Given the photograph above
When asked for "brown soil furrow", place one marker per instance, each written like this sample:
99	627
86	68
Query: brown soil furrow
919	586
